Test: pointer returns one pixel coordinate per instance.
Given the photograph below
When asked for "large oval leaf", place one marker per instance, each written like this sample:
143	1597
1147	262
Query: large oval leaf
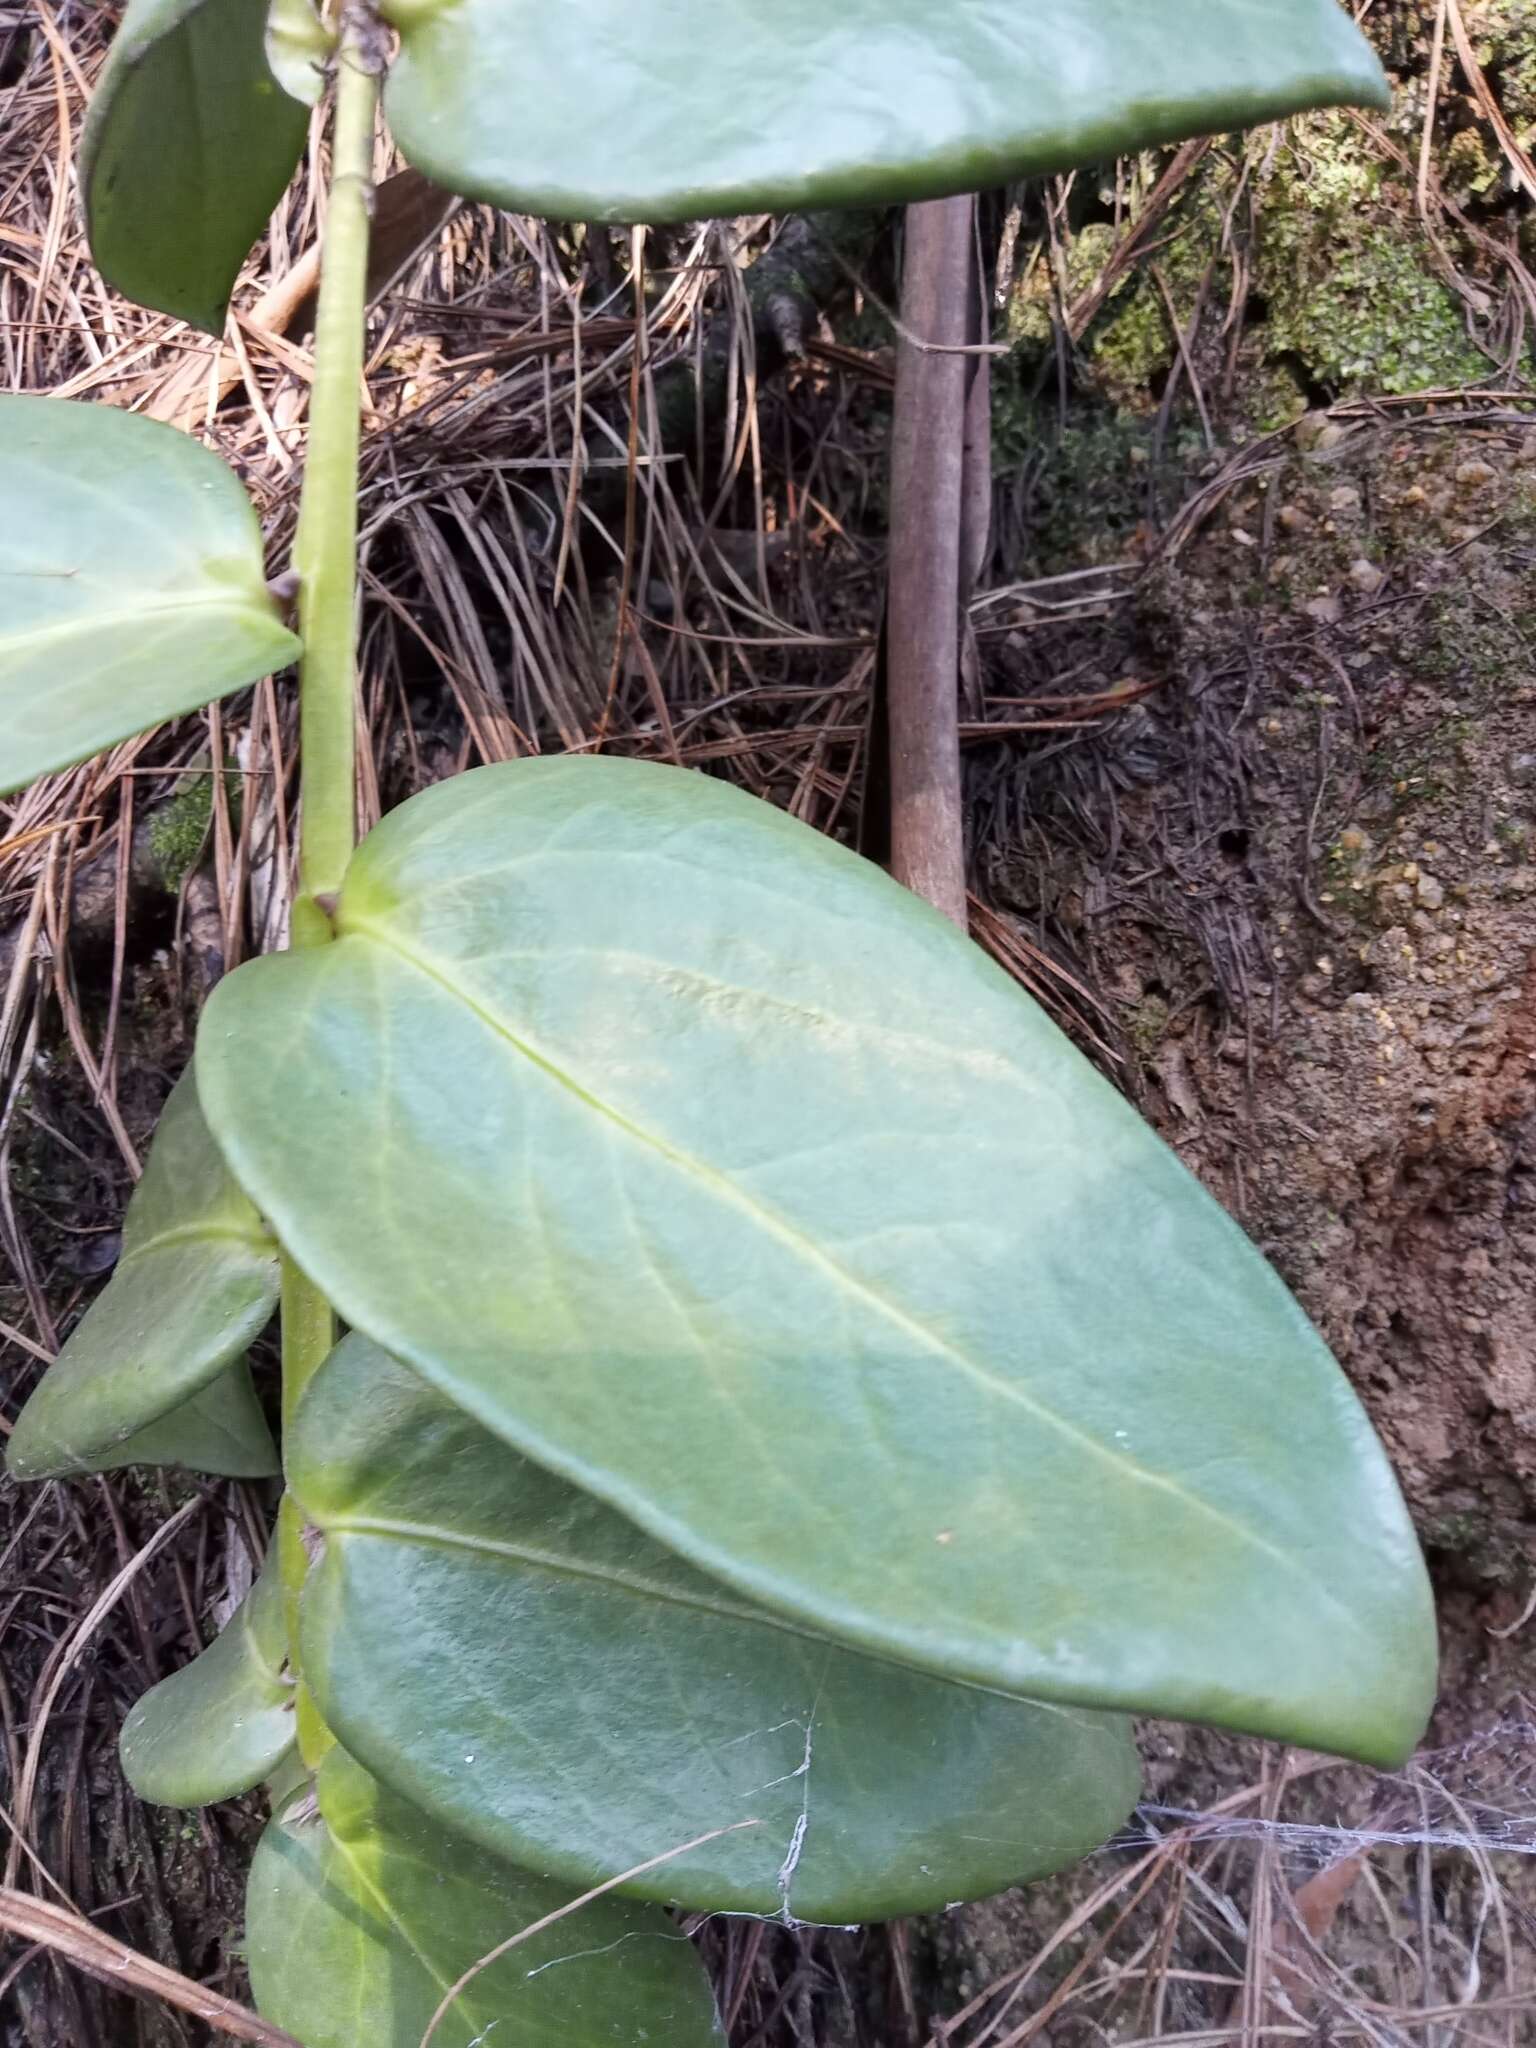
715	1172
361	1916
190	143
197	1279
225	1722
528	1666
673	109
131	566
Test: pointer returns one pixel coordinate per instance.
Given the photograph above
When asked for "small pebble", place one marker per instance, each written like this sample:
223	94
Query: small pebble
1366	577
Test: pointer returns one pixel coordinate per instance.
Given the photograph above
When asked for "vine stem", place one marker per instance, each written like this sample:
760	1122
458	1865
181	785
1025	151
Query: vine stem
325	557
325	548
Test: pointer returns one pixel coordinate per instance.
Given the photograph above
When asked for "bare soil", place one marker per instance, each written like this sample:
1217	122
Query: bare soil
1299	871
1337	789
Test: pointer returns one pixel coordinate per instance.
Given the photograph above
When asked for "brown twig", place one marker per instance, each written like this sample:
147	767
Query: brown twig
927	507
124	1969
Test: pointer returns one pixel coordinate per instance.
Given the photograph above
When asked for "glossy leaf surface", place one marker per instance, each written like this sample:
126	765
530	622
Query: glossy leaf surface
528	1666
225	1722
190	143
712	1170
361	1917
131	563
197	1280
675	109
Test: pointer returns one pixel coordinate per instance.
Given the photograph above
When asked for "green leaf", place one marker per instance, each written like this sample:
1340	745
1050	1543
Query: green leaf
359	1919
220	1429
143	1378
190	143
225	1722
289	1783
132	581
675	109
719	1175
299	46
529	1667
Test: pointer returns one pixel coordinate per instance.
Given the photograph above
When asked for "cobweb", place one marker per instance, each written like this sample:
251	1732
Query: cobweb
1323	1903
1477	1796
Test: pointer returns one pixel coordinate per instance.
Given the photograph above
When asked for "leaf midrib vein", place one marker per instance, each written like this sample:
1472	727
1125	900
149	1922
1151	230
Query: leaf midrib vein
199	1233
80	624
386	1912
717	1608
797	1241
567	1567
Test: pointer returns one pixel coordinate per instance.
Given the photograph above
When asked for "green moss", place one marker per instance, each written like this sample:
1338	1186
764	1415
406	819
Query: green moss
1135	342
1422	765
1132	342
1342	297
179	830
1033	301
1468	658
1087	479
1504	37
1472	648
1481	1541
1133	348
1470	169
1339	267
1146	1023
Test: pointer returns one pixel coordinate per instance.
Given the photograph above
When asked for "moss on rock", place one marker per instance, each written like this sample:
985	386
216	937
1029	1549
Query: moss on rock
1342	298
1342	273
178	832
1503	36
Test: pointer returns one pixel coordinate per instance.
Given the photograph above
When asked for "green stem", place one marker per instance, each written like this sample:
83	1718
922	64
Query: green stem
325	556
309	1332
325	549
